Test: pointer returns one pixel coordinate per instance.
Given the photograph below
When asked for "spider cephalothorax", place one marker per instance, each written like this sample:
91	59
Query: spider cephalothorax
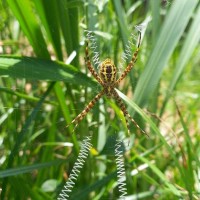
107	78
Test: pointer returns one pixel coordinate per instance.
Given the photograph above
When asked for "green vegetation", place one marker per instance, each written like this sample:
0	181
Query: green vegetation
40	95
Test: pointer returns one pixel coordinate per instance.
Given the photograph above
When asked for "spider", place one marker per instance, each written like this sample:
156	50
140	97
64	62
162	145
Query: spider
108	80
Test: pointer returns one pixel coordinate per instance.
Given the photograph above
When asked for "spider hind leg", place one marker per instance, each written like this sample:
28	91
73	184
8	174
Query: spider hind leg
91	104
126	114
137	126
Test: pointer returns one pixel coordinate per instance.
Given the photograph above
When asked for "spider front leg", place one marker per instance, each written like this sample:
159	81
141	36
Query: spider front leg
132	62
125	113
89	65
80	117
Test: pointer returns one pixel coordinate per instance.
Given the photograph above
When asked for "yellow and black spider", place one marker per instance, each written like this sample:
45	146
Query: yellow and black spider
108	80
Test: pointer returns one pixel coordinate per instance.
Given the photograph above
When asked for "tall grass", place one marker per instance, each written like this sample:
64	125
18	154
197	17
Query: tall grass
42	91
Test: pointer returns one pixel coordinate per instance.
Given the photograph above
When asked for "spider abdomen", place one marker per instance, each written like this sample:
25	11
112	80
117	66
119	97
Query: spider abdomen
107	72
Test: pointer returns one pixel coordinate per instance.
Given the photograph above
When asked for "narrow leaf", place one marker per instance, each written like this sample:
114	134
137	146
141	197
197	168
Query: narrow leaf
176	22
39	69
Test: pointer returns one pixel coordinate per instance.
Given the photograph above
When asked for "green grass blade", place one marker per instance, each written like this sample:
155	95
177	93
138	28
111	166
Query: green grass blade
48	13
25	96
66	112
98	184
39	69
164	166
191	157
119	11
28	169
152	125
68	17
162	177
23	132
27	20
156	19
92	19
175	23
190	44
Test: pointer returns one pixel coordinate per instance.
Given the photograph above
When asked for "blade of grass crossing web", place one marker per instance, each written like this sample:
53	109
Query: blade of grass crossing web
172	29
27	20
153	127
190	43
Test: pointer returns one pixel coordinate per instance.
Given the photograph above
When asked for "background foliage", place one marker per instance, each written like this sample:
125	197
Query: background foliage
45	84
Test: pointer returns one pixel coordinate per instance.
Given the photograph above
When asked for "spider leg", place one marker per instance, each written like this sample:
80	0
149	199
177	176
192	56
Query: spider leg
125	113
89	65
132	62
91	104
